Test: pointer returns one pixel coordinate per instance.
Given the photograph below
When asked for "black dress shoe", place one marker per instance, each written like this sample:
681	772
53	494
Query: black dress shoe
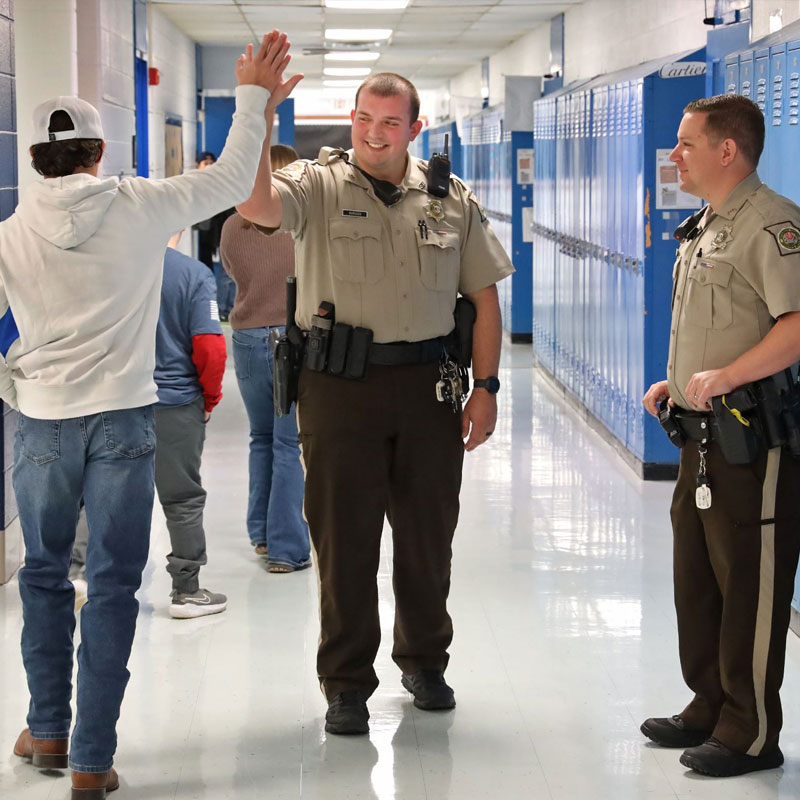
671	732
715	759
430	691
347	714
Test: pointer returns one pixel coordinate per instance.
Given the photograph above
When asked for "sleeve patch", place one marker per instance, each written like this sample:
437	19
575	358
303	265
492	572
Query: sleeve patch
787	237
295	170
214	310
482	213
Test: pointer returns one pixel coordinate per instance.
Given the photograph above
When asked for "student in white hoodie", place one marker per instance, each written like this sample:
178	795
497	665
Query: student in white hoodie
80	269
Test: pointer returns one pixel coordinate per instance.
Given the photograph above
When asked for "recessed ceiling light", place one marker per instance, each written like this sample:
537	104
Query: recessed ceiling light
342	84
364	56
346	72
367	5
358	34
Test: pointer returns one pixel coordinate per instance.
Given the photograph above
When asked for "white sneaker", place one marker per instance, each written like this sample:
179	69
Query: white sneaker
187	605
81	593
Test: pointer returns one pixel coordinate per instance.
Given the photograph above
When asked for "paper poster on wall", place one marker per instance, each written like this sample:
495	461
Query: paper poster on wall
525	165
173	148
527	223
668	190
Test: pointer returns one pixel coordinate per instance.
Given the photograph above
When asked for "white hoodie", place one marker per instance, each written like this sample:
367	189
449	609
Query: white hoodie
80	267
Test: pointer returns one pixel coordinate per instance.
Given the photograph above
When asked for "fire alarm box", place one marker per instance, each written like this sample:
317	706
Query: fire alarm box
153	76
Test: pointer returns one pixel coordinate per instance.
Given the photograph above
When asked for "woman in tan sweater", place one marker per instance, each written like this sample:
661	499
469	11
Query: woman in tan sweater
259	265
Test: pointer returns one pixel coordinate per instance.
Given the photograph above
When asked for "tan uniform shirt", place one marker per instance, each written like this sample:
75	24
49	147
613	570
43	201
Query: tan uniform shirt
732	282
380	267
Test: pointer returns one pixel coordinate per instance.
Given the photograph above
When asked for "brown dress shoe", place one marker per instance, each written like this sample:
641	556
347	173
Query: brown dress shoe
93	785
43	753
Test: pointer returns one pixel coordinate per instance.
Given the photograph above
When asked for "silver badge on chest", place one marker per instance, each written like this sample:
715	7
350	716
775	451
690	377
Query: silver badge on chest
434	210
722	239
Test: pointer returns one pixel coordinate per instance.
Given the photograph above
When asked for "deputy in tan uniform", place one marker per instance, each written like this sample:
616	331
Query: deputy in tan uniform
391	257
735	319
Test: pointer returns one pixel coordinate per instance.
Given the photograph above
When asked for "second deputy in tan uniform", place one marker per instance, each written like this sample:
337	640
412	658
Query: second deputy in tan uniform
735	319
392	258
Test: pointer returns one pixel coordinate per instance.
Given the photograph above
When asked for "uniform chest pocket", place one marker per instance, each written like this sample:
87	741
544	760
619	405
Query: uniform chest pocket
708	302
439	260
356	251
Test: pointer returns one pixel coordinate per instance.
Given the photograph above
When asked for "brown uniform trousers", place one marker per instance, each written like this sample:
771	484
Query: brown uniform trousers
380	447
734	567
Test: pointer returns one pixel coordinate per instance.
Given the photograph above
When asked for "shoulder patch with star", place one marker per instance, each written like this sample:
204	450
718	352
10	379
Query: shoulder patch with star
787	237
295	170
471	197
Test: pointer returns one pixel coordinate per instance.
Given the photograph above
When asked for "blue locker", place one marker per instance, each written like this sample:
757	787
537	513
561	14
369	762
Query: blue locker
746	85
599	250
613	248
640	210
775	143
489	160
791	100
761	80
419	147
732	75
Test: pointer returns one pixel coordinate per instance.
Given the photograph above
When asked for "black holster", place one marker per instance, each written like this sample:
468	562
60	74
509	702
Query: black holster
288	357
772	408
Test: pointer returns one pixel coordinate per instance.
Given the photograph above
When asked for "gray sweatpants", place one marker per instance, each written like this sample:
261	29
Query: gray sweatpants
180	435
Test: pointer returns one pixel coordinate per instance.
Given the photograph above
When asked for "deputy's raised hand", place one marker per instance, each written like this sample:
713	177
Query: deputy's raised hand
266	67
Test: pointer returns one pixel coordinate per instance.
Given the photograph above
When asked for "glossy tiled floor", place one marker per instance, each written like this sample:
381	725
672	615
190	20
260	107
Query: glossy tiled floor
565	641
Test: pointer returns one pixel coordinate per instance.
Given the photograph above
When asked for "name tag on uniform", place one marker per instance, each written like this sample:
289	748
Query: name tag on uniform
351	212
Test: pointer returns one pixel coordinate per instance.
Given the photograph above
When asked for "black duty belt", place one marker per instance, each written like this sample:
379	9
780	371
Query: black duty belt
694	425
392	354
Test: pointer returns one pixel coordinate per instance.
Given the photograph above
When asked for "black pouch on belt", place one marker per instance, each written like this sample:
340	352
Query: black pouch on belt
340	342
358	353
735	426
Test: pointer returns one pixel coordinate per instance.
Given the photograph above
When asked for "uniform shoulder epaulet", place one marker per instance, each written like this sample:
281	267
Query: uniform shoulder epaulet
329	155
460	183
766	202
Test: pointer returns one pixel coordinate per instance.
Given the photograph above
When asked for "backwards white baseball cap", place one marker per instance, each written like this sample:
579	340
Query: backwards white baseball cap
84	116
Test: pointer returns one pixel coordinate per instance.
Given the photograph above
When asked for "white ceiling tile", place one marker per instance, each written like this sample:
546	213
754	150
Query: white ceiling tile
432	40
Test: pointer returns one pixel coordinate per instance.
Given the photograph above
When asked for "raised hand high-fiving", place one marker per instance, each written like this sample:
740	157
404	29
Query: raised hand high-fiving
266	67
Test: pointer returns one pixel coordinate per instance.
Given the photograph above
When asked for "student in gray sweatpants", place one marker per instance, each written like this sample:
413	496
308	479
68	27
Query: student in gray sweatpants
190	362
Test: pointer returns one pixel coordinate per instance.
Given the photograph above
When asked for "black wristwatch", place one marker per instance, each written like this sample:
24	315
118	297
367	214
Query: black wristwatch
491	384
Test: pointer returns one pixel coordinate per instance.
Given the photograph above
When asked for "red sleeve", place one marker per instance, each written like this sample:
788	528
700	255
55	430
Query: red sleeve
208	356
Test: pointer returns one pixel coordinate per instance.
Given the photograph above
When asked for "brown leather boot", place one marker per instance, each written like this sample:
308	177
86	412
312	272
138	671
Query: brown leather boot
43	753
93	785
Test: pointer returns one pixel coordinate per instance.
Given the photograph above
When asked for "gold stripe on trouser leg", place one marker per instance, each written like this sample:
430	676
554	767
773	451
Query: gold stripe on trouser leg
766	593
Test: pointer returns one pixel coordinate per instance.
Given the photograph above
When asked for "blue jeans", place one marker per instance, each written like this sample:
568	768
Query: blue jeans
275	503
226	290
108	459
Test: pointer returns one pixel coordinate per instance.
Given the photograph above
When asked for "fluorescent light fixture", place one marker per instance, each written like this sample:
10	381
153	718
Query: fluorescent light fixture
358	34
364	56
341	84
367	5
346	72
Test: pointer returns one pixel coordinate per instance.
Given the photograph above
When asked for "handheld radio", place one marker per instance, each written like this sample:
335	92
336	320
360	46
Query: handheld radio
439	172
